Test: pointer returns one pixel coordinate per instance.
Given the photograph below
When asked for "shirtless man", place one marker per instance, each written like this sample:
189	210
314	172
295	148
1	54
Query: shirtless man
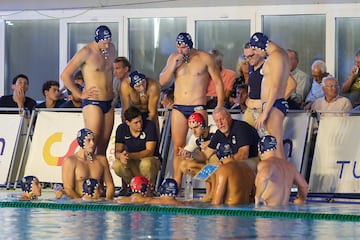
141	92
86	164
96	60
31	188
234	179
192	70
140	187
276	71
168	191
276	176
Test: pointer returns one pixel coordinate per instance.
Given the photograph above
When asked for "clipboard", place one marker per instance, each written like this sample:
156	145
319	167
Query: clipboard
206	172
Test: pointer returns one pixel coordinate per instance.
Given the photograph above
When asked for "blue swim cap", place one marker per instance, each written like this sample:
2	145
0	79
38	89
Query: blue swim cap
136	78
26	183
102	33
82	134
267	143
259	40
89	186
223	150
139	184
169	187
184	38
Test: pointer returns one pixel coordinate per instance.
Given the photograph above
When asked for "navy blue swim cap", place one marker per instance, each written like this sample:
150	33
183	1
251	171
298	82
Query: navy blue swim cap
102	33
259	40
139	184
89	186
223	150
26	183
184	38
267	143
135	78
169	187
82	134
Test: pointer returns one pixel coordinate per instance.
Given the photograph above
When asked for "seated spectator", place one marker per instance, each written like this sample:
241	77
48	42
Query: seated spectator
72	101
140	191
85	164
239	102
303	84
20	85
31	188
91	191
331	102
228	77
352	84
78	79
234	179
318	72
200	139
50	90
276	176
168	191
136	148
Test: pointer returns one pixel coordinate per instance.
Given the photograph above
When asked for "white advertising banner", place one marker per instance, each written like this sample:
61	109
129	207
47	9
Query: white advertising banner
335	167
9	128
54	139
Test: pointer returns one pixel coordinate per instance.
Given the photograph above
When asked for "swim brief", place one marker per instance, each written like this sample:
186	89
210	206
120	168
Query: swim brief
104	105
187	110
281	104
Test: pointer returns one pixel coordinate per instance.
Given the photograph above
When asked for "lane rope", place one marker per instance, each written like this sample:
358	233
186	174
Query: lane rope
181	210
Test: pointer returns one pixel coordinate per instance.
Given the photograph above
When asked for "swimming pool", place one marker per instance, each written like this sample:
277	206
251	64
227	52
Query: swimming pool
66	220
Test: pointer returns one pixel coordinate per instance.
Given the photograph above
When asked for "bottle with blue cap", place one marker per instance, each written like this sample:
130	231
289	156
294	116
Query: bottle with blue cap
188	189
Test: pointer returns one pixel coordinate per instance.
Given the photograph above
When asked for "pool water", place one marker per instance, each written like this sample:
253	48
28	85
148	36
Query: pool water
43	223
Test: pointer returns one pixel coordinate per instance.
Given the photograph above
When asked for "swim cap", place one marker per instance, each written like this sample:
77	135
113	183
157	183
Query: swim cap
197	118
102	33
139	184
26	183
169	187
259	40
223	150
82	134
136	78
184	38
89	186
267	143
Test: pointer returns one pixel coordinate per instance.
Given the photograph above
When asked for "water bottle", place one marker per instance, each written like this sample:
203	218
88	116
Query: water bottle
189	191
261	131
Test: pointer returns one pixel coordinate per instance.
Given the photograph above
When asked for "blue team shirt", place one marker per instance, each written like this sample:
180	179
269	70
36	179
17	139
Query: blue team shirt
241	134
137	144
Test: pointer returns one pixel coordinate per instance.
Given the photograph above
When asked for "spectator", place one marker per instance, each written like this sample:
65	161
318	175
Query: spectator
331	102
20	85
352	84
228	77
136	148
319	73
50	90
240	98
122	67
72	101
297	98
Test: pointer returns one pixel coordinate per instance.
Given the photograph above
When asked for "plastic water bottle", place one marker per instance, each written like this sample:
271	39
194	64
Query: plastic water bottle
261	131
189	191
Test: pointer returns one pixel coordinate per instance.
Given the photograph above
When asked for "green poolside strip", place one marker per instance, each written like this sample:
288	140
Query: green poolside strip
181	210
